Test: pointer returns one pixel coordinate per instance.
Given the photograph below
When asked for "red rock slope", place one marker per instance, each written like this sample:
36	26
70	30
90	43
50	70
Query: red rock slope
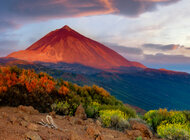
67	45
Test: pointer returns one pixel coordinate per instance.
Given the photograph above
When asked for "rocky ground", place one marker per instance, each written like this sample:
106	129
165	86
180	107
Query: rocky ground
24	123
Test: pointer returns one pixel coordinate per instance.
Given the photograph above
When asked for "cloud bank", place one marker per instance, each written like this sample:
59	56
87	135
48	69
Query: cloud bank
20	11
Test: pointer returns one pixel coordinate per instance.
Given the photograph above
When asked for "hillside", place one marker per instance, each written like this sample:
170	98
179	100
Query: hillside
147	89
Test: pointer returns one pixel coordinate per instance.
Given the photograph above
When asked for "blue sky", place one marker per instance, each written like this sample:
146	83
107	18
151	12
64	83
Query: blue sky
153	32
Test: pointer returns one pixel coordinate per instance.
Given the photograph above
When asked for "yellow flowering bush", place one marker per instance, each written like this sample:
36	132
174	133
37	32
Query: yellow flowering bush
174	131
177	117
172	125
155	117
106	116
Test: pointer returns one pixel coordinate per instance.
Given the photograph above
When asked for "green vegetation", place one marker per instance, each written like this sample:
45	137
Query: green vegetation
174	125
26	87
112	117
139	138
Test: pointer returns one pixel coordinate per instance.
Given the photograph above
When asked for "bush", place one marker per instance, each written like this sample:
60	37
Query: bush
131	113
187	115
139	138
123	124
155	117
174	131
92	110
62	108
107	117
177	117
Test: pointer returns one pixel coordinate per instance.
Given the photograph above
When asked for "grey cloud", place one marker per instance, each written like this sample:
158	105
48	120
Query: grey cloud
160	58
7	24
7	46
29	10
162	47
136	7
125	49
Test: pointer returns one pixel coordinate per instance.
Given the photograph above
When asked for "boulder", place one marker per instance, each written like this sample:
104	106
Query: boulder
80	112
146	132
12	119
32	136
32	126
28	110
24	123
92	131
75	136
133	133
98	123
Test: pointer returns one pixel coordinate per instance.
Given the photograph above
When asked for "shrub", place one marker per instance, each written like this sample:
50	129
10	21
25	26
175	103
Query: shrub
187	115
123	124
155	117
92	110
174	131
107	116
131	113
63	90
139	138
177	117
61	108
119	123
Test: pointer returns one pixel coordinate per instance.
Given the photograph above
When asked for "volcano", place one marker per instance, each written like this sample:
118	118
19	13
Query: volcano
68	46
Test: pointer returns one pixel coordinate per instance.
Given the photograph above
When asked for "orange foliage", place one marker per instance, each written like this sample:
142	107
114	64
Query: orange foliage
7	79
101	91
63	90
28	78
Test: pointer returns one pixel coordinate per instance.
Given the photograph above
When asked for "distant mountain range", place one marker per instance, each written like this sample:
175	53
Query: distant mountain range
64	53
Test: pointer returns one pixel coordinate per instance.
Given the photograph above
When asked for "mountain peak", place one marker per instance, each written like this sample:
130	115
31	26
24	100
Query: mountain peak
68	46
66	27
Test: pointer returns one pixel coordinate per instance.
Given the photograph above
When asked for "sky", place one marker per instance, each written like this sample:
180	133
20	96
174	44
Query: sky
153	32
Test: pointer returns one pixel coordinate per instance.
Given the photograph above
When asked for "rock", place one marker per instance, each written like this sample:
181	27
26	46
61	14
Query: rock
23	123
92	131
142	128
100	137
105	137
12	119
133	133
78	121
28	109
26	118
80	112
98	123
32	126
59	117
52	114
75	136
89	121
4	114
32	136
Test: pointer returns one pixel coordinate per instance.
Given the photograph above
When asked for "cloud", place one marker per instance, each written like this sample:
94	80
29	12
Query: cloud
7	24
134	8
124	49
21	11
162	47
7	46
161	58
130	53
